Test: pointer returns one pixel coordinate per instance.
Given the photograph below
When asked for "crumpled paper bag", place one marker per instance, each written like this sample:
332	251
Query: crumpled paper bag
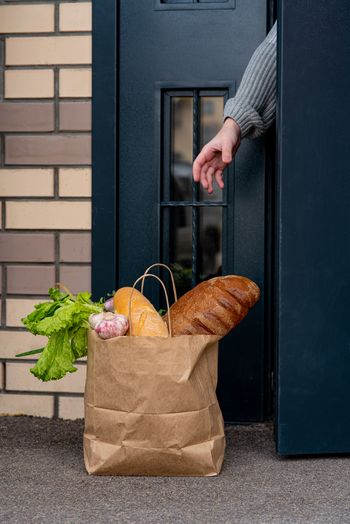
151	406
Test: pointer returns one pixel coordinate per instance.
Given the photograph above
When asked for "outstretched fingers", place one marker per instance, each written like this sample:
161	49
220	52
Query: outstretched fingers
219	179
204	156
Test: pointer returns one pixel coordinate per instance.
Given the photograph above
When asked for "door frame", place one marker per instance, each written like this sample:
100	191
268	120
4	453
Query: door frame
105	116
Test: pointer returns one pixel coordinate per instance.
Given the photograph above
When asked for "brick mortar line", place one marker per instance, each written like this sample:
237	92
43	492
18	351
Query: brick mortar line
3	294
57	256
46	199
40	34
33	296
64	132
56	102
41	393
46	100
45	166
55	414
15	329
44	264
42	2
2	150
3	214
56	16
14	360
46	231
40	67
4	375
56	194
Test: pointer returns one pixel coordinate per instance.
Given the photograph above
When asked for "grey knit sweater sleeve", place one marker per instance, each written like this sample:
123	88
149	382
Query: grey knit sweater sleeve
254	106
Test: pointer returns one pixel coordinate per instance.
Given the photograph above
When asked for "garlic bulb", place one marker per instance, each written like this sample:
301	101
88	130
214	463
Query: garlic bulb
109	305
95	318
112	325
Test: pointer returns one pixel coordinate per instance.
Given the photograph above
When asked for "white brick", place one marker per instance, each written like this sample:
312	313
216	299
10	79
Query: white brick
31	83
19	378
33	405
71	408
26	182
75	16
75	182
14	342
26	18
75	82
48	215
17	308
45	50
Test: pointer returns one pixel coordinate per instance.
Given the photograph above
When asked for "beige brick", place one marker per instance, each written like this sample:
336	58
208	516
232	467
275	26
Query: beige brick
30	279
14	342
19	378
27	247
45	50
48	149
2	385
26	182
27	116
75	182
29	83
76	278
33	405
48	215
71	408
17	308
26	18
74	247
75	83
75	116
75	17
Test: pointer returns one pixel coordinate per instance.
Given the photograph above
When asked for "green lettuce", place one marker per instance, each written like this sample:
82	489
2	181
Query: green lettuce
64	320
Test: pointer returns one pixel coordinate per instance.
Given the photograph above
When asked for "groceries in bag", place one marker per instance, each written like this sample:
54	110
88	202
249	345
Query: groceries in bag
214	307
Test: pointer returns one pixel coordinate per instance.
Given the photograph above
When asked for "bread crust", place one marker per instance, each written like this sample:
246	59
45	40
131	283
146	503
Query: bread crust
214	307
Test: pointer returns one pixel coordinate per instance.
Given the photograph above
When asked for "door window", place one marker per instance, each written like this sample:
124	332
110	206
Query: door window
191	218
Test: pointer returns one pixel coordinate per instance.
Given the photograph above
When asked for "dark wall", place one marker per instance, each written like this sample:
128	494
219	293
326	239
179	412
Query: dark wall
313	227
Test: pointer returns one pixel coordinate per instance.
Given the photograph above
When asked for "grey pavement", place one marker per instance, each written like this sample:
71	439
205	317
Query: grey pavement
43	480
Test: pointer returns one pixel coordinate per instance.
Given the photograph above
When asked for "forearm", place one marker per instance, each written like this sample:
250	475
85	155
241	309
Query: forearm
254	106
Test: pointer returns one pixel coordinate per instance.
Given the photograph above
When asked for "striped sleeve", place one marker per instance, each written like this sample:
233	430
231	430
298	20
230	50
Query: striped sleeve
254	106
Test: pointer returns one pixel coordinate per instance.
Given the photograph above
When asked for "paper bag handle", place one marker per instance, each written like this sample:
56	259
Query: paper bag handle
171	276
142	277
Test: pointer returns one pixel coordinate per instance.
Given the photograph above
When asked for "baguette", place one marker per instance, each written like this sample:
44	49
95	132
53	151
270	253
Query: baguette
145	320
214	307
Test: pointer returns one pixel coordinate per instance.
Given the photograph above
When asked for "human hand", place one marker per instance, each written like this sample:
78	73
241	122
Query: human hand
216	155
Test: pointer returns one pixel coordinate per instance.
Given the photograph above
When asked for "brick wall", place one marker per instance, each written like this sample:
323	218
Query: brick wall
45	185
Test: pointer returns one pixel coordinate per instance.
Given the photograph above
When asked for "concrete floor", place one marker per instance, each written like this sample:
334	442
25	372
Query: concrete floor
43	480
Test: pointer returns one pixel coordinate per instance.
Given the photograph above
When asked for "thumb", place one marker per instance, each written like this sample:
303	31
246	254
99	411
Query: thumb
227	153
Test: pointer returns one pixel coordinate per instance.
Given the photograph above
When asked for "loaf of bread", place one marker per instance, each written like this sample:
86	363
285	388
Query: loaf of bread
144	320
214	307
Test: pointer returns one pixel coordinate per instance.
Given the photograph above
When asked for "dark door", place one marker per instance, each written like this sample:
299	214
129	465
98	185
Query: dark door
314	229
178	63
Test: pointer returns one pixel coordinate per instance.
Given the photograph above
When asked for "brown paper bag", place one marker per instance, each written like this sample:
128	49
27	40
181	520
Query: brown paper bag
151	406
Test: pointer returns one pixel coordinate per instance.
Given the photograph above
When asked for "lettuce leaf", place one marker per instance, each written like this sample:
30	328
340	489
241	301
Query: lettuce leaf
64	320
79	342
56	360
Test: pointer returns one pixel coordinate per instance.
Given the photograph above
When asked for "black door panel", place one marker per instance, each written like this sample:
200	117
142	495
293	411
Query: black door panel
170	50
